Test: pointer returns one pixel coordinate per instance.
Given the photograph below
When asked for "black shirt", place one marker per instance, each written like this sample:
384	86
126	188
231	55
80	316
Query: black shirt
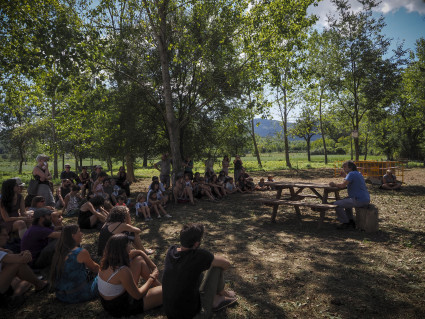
181	280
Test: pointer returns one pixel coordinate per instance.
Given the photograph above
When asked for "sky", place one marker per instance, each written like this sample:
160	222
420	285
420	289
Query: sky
405	21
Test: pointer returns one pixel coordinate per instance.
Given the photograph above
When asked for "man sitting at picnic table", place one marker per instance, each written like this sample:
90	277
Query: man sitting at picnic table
358	195
389	181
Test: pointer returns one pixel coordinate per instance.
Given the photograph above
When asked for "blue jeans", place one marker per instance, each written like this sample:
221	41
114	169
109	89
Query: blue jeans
344	211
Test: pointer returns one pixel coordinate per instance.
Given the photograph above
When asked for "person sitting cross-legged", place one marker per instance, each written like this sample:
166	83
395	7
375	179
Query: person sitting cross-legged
389	181
184	294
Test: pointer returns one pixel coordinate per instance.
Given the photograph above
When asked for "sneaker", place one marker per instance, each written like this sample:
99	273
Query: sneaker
146	219
168	215
150	218
159	216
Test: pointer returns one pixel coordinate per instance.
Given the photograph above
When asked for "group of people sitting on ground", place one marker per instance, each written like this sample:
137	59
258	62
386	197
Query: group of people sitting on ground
74	276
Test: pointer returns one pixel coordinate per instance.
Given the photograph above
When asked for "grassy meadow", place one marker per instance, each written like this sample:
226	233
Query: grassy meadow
271	162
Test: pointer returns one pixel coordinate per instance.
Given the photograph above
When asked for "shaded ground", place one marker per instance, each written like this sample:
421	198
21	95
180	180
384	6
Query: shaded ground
283	271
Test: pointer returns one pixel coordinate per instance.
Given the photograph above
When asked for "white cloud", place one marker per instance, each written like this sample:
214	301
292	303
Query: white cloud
326	7
410	5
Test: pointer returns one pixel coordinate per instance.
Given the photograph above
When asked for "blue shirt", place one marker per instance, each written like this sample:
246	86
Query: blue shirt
357	187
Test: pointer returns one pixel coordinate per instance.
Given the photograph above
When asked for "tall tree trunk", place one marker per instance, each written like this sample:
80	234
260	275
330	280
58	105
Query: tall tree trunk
321	127
63	161
109	163
54	140
76	163
257	153
285	128
170	117
130	168
81	161
365	150
308	149
21	160
145	159
351	146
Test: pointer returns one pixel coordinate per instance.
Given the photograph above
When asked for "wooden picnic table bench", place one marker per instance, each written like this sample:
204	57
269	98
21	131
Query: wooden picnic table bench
295	198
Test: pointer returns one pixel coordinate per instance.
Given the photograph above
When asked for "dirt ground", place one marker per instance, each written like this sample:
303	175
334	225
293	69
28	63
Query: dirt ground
281	270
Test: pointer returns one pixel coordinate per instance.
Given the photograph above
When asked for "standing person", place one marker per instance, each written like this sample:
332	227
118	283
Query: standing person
68	174
225	165
122	181
120	271
15	274
237	166
184	295
358	195
68	273
42	174
165	169
12	208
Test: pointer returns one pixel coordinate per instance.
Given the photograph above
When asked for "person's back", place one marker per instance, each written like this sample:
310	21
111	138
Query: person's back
356	187
182	272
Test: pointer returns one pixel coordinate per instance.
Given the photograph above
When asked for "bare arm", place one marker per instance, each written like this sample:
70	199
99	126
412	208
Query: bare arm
126	279
7	218
55	234
84	258
342	185
66	201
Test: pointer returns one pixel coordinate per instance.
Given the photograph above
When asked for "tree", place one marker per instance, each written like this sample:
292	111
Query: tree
362	75
412	104
306	126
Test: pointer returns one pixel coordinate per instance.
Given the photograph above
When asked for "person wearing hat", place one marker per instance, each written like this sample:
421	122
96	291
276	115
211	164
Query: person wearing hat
40	239
42	174
68	174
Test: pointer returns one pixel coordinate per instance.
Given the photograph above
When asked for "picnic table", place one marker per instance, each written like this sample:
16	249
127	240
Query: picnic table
296	198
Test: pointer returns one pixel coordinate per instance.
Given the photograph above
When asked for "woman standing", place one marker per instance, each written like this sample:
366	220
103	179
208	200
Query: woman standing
68	274
12	208
42	174
121	270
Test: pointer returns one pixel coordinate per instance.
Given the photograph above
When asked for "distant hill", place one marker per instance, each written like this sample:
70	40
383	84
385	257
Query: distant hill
272	127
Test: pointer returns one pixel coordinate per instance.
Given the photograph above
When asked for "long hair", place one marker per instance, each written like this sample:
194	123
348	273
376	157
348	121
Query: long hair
115	254
7	194
64	245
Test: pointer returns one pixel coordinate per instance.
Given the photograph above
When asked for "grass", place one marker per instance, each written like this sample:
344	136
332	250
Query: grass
284	271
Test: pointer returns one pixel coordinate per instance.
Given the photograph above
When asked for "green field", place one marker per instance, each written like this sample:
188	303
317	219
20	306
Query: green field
270	161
